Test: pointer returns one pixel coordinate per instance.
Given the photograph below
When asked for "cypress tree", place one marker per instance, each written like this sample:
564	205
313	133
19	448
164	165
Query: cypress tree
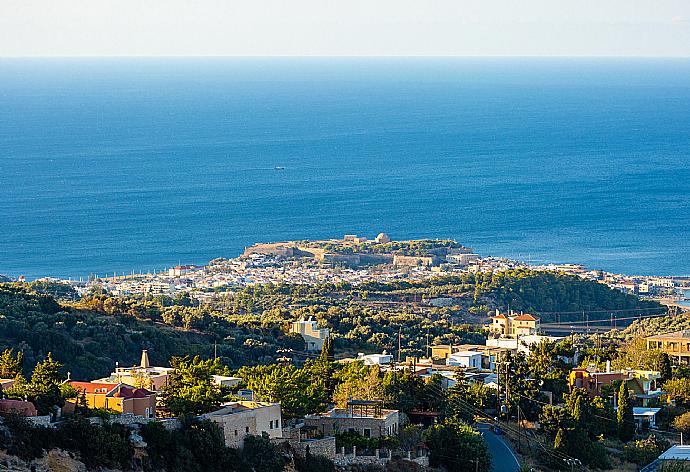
624	415
327	352
665	368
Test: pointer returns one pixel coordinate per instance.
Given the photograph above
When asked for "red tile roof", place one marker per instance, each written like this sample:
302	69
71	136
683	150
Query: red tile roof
94	387
526	317
117	390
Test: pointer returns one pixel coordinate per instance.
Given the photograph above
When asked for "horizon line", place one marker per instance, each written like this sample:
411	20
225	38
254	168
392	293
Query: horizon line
340	56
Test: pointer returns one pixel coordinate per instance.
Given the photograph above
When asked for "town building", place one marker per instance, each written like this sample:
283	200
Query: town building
511	325
465	359
642	383
675	458
645	418
523	344
118	397
375	359
462	259
244	418
676	345
367	417
309	330
143	375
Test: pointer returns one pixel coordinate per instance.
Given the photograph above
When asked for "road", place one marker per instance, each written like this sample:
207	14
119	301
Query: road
502	457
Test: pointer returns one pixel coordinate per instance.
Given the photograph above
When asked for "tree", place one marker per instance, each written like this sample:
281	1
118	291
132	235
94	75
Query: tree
678	390
299	391
327	353
262	454
190	389
10	365
559	441
457	447
624	415
402	390
682	423
44	388
360	382
665	368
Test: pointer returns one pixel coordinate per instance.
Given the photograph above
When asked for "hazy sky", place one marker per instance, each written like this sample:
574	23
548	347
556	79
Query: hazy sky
345	27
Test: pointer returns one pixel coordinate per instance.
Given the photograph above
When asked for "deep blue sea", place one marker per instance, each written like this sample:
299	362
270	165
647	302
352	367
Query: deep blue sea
136	164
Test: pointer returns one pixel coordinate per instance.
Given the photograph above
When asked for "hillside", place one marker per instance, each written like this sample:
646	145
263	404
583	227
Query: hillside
90	342
250	326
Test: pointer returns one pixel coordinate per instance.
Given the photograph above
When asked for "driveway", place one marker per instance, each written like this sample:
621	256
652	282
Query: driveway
502	457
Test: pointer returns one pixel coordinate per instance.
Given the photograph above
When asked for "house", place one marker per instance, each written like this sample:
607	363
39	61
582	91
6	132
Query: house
443	351
375	359
511	325
676	345
643	383
119	397
466	359
19	407
367	417
462	259
143	375
522	343
154	378
645	418
309	330
244	418
676	458
226	381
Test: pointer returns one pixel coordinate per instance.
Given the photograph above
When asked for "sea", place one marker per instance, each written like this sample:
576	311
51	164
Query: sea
132	164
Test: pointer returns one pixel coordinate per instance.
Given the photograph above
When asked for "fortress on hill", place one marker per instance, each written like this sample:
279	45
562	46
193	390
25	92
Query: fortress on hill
353	251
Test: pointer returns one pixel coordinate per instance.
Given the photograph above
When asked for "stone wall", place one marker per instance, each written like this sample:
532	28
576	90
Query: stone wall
324	447
343	460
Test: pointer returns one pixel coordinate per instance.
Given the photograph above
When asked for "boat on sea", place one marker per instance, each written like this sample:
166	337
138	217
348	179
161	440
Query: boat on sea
278	168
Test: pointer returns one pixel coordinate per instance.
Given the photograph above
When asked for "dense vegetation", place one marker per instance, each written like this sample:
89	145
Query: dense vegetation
250	325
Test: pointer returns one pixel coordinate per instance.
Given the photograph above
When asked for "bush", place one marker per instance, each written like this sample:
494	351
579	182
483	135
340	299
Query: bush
644	451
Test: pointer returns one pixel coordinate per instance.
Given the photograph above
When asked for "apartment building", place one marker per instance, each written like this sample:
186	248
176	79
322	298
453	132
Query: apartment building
314	337
676	345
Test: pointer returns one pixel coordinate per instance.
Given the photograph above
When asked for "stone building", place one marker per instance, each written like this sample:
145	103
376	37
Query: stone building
244	418
309	330
366	417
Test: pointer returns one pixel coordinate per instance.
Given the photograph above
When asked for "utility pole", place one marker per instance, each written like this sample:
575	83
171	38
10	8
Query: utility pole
399	335
507	391
498	382
519	430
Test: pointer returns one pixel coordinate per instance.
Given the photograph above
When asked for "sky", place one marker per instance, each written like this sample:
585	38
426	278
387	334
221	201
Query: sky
344	28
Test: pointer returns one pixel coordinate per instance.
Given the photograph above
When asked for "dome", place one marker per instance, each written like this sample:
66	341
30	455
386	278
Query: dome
383	238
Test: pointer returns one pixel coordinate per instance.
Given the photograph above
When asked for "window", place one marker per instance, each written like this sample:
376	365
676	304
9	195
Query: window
246	429
270	425
367	433
235	432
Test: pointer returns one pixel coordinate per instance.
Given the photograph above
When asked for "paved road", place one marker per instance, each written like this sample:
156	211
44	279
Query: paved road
502	457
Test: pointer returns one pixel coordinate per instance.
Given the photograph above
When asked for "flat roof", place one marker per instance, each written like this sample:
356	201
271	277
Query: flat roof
676	453
685	334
